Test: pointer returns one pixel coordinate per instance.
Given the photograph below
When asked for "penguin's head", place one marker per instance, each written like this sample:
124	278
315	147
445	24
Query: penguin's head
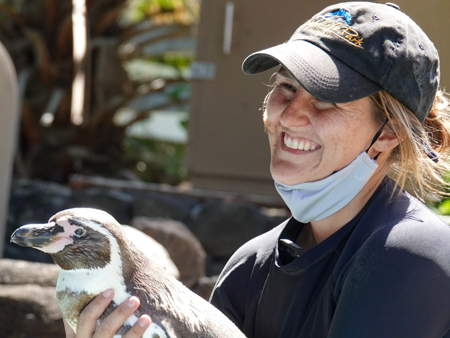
79	238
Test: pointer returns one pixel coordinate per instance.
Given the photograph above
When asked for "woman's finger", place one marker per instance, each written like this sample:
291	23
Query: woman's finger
88	317
138	329
117	318
68	329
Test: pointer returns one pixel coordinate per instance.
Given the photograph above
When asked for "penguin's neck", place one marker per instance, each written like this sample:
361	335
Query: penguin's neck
97	279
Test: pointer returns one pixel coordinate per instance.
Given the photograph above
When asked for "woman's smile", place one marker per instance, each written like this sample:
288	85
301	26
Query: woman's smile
297	145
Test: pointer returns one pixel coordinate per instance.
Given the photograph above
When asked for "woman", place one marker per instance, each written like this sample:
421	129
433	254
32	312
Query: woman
355	101
354	116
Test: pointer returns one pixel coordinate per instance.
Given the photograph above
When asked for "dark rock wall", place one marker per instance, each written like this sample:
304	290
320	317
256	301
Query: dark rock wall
221	227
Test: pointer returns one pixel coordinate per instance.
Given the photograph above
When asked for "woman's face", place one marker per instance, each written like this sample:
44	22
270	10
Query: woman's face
310	139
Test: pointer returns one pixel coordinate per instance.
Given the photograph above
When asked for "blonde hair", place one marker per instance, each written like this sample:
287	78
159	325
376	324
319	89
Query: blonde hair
271	86
408	164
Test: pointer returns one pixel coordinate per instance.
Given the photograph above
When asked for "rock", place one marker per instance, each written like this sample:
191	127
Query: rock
154	205
17	272
14	251
214	265
36	201
152	249
205	286
29	311
184	249
116	203
223	227
32	202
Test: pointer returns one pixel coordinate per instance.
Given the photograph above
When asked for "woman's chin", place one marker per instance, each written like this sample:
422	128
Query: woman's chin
286	179
294	177
290	172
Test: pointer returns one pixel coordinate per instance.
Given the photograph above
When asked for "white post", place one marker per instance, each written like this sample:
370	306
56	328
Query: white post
228	28
9	120
79	58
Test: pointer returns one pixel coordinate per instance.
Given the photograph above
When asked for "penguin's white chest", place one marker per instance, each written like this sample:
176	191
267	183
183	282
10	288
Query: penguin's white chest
76	288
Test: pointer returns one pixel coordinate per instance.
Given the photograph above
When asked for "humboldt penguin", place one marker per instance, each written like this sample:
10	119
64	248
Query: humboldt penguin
94	255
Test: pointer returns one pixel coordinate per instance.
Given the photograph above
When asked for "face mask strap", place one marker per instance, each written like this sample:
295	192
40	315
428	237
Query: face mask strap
375	138
430	153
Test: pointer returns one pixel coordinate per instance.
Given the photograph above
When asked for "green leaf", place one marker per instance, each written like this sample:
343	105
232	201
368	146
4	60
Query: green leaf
444	207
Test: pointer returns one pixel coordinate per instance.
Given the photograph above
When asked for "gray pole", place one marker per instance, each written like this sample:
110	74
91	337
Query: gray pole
9	114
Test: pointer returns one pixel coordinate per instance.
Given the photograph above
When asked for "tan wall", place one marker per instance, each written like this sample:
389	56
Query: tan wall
227	147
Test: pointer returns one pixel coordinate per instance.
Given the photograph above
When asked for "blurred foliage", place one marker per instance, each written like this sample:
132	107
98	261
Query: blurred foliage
138	58
441	208
439	205
156	161
162	11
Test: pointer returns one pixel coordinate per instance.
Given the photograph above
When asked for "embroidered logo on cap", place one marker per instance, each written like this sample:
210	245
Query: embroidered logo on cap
336	23
342	13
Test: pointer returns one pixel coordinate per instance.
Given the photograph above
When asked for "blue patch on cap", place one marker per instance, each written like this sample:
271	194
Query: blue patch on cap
343	13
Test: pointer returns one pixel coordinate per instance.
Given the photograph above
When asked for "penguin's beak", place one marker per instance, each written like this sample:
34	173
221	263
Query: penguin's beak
36	235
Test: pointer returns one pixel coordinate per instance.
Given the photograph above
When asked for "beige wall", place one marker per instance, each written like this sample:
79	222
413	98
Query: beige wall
227	148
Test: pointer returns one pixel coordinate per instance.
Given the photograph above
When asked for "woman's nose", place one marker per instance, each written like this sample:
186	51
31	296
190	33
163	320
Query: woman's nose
297	112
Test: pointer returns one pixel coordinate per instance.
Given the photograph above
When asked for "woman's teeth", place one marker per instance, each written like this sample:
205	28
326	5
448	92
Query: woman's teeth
296	144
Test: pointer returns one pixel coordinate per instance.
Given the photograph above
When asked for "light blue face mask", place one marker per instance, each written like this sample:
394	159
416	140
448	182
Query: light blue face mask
315	201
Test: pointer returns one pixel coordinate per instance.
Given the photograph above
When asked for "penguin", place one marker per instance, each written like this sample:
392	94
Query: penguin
94	255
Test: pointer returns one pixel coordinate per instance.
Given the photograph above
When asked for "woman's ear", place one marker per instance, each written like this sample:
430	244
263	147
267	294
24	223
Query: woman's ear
387	141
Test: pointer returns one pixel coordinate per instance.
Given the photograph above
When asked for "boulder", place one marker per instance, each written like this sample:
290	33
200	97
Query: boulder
223	227
214	265
183	247
152	249
18	272
32	202
117	203
29	311
205	286
155	205
36	201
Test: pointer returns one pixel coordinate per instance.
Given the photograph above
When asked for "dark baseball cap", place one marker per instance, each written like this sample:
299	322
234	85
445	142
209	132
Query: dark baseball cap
352	50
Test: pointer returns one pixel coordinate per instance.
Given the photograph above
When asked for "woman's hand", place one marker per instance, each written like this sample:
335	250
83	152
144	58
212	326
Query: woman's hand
87	322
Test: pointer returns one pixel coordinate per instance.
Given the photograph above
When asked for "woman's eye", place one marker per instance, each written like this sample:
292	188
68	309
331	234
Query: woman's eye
289	87
320	105
80	232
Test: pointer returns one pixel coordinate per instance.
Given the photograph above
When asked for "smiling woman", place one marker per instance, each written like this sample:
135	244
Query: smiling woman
354	116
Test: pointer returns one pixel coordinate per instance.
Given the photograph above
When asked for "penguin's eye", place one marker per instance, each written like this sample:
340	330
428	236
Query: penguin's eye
80	232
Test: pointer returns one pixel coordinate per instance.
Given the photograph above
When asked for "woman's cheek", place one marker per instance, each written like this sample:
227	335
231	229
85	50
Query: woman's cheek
270	128
270	122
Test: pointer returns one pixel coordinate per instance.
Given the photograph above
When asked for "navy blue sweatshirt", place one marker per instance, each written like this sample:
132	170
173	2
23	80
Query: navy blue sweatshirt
384	274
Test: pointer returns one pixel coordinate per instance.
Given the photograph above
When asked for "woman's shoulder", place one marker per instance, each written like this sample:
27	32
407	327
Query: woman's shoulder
396	270
413	227
404	236
399	221
255	251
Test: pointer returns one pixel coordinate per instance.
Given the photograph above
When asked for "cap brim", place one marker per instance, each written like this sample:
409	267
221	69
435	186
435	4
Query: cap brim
321	74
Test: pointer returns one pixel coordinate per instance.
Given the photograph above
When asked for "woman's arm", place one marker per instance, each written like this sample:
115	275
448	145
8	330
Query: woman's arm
86	326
